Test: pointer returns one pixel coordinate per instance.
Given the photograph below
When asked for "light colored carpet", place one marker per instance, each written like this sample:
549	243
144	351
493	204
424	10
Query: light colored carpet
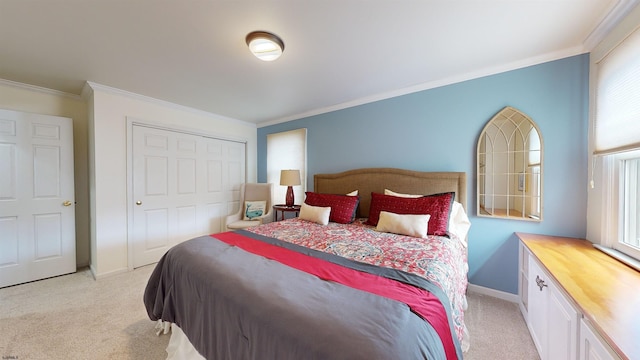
498	330
76	317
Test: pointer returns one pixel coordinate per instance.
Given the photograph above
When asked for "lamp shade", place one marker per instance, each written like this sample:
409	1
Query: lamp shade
264	45
289	177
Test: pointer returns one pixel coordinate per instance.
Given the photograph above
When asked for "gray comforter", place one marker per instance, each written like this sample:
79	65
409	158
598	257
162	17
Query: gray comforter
234	305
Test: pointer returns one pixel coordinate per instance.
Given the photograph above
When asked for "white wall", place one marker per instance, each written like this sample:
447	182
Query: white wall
26	98
108	161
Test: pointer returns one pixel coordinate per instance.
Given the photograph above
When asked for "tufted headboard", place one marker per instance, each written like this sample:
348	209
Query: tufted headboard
369	180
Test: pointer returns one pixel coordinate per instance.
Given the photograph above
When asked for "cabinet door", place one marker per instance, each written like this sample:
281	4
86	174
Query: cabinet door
553	321
591	347
537	314
562	326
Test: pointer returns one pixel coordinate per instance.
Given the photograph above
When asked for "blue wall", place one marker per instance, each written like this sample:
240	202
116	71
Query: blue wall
437	130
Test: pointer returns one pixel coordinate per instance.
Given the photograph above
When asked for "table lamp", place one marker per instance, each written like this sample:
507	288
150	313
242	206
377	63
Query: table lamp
289	178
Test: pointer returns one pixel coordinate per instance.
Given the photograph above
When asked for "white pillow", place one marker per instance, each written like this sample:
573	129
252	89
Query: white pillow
459	223
316	214
411	225
254	209
393	193
353	193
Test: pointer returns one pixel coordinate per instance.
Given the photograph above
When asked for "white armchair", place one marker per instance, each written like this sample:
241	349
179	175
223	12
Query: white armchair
252	192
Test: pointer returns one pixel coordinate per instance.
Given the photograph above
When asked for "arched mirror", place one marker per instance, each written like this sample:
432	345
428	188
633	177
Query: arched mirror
510	167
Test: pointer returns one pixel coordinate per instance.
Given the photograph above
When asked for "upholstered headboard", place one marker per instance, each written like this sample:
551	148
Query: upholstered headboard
403	181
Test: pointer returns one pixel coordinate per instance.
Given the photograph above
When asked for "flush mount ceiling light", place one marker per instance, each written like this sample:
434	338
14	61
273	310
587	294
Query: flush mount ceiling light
265	45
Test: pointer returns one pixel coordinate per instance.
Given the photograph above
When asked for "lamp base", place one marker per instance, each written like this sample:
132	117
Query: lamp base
289	198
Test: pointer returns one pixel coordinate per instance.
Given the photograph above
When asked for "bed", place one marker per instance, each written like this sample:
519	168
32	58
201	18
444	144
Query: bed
305	288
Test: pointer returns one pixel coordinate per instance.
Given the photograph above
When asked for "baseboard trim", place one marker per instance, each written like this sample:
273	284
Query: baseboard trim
493	293
107	274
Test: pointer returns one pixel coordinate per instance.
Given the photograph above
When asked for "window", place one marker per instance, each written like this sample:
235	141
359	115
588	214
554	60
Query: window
287	150
630	208
615	198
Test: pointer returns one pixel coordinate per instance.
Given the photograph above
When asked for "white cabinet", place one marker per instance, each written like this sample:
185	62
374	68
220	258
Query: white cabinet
558	330
591	347
552	320
569	295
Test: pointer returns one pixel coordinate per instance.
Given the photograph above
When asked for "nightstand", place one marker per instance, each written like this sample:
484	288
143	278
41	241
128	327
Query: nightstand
282	208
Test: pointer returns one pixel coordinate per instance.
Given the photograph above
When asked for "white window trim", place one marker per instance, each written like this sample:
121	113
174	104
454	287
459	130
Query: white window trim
609	192
610	189
621	211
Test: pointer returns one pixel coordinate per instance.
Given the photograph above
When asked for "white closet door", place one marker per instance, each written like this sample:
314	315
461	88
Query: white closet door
181	186
225	171
37	212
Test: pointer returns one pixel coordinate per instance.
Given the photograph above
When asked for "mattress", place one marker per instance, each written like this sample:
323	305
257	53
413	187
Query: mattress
224	297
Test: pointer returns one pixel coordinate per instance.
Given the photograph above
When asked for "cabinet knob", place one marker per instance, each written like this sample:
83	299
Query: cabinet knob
540	282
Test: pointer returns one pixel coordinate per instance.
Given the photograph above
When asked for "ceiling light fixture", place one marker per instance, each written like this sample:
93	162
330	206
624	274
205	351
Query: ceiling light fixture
265	45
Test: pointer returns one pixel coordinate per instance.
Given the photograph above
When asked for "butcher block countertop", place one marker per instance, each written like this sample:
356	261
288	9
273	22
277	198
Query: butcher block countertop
604	290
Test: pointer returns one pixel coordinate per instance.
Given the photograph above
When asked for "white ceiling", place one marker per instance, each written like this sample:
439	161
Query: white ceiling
338	53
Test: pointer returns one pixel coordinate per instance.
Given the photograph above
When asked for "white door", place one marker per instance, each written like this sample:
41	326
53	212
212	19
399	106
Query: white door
182	187
37	212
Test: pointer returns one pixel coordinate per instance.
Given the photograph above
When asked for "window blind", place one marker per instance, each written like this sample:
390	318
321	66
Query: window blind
617	122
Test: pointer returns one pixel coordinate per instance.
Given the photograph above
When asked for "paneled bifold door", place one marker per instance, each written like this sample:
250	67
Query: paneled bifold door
37	206
184	185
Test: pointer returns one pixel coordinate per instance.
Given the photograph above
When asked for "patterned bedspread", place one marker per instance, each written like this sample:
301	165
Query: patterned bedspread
439	259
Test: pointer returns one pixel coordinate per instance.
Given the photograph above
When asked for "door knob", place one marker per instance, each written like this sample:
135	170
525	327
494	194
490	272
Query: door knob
67	203
138	202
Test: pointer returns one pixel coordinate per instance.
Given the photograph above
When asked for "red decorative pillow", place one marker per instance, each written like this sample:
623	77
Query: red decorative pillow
343	207
438	206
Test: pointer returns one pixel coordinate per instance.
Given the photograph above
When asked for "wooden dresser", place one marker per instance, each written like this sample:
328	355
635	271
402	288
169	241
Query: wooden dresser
578	302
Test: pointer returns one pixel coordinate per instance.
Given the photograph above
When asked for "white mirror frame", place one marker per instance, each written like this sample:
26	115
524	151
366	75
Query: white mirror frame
510	167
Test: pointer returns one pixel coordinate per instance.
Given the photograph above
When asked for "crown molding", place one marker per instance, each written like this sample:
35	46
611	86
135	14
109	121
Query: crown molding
92	86
608	21
537	60
34	88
